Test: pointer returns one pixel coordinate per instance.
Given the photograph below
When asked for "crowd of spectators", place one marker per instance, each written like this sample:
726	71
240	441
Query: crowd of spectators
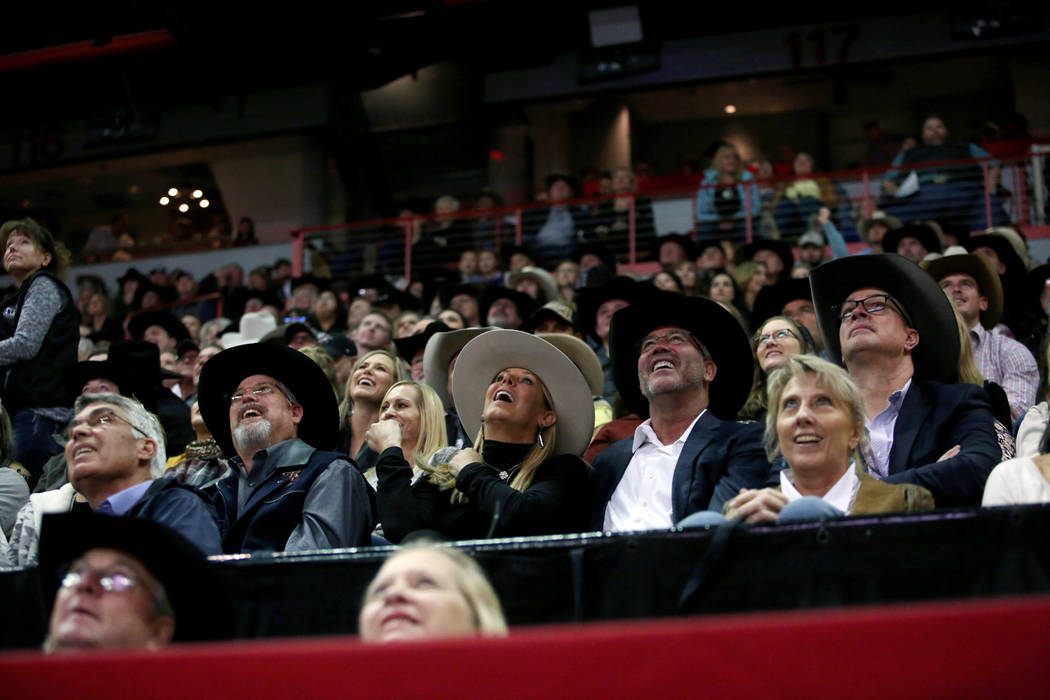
561	393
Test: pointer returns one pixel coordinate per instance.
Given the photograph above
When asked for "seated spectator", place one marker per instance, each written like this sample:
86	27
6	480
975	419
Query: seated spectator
14	489
115	456
895	331
1026	478
458	601
667	281
327	314
777	257
724	201
977	293
371	377
405	323
96	321
39	330
158	327
520	256
689	277
452	318
122	584
672	249
950	193
465	299
796	201
534	281
193	323
412	348
873	229
373	333
490	267
506	308
816	424
793	300
778	339
751	278
468	266
914	242
409	430
613	219
595	308
272	411
245	233
186	288
531	421
556	229
683	363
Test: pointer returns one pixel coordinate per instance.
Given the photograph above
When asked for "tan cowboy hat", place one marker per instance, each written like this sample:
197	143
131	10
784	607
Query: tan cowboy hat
978	267
582	356
439	351
489	353
878	217
548	287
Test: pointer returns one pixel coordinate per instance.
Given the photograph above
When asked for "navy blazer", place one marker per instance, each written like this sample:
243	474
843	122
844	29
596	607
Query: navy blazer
934	418
718	459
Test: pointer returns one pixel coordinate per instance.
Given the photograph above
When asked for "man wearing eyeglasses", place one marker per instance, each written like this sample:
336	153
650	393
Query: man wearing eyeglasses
894	330
127	584
115	456
272	410
685	363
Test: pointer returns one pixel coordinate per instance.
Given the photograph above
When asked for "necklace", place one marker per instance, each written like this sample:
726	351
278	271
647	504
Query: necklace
504	474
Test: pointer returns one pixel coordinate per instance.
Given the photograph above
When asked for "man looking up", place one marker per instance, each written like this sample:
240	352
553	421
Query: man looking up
685	363
895	331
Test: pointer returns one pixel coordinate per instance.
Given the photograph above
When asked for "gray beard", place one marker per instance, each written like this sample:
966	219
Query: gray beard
249	439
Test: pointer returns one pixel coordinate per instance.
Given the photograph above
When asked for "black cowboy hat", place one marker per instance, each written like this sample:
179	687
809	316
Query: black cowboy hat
978	267
165	319
223	373
782	249
771	300
588	299
711	324
140	360
202	606
1007	255
446	293
76	376
404	300
320	283
685	242
408	346
607	257
923	232
509	249
936	356
526	304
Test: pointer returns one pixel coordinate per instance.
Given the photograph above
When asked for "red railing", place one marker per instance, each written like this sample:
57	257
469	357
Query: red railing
434	240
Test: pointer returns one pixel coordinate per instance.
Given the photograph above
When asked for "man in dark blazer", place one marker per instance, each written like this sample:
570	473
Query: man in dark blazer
894	330
684	362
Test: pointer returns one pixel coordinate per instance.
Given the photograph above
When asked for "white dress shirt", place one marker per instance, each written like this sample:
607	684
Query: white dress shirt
841	495
642	499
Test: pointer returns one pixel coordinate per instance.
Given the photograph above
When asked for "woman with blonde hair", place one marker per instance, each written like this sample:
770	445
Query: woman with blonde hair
371	376
427	592
530	408
724	200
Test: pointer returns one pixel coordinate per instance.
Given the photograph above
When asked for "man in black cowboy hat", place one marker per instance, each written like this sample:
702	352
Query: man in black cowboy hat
914	242
272	410
894	330
411	348
595	306
974	288
506	308
685	363
158	327
127	584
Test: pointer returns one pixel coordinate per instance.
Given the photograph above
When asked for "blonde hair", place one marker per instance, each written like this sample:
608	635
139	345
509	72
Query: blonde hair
432	433
346	406
323	360
472	583
536	456
830	376
968	370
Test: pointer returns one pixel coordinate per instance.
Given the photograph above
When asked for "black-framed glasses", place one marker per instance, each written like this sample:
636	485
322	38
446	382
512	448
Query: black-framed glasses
97	419
874	304
779	336
673	339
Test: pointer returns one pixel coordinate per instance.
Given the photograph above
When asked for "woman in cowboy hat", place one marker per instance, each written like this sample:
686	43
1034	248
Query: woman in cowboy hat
530	408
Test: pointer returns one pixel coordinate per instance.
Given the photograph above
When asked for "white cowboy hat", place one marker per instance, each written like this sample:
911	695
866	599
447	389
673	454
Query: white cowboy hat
253	327
489	353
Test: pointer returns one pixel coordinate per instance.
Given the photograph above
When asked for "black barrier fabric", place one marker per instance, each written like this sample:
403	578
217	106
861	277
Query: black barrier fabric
949	554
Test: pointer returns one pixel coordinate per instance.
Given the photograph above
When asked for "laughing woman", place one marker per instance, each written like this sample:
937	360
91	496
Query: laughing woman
531	409
370	378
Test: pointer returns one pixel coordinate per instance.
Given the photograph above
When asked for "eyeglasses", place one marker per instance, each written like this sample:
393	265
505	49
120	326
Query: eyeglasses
256	392
110	581
98	419
874	304
782	334
674	339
